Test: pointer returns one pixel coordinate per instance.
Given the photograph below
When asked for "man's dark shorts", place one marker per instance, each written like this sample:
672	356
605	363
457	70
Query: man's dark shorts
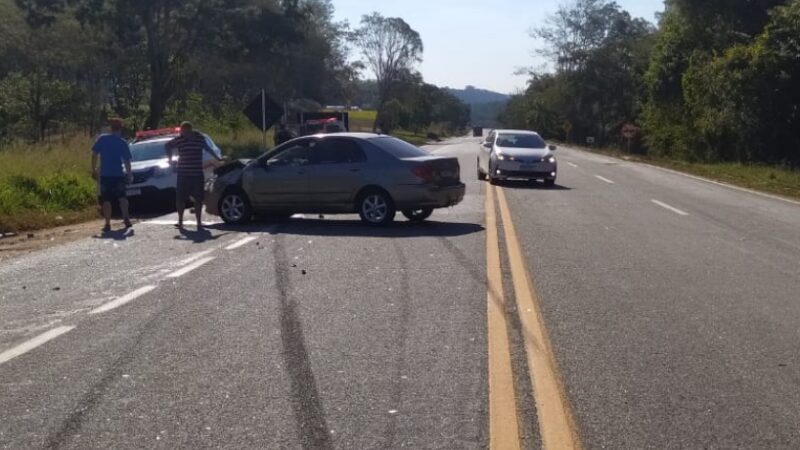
190	186
112	188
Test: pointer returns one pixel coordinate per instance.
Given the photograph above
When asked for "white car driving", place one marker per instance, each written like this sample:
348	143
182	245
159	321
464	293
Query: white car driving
517	155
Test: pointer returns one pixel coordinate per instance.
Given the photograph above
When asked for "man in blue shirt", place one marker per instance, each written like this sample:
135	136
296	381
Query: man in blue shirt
113	152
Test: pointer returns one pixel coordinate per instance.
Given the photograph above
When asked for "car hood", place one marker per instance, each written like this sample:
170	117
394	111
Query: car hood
524	152
149	164
230	173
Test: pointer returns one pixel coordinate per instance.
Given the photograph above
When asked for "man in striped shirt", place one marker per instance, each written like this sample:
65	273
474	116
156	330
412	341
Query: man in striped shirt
189	147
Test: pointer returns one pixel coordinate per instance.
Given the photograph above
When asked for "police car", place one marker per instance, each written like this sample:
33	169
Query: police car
153	178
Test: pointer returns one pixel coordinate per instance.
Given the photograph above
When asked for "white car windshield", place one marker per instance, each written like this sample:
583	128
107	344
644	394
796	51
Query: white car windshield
146	151
520	141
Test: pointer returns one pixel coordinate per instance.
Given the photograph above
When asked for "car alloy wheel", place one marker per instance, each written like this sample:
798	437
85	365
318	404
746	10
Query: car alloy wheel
376	208
234	208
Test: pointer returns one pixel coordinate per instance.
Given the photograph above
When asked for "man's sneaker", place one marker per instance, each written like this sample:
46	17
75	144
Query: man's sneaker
128	223
107	228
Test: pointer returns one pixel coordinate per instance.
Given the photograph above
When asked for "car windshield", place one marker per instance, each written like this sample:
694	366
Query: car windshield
397	148
146	151
520	141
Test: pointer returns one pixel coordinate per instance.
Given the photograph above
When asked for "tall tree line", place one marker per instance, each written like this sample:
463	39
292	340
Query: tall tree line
715	80
76	61
69	64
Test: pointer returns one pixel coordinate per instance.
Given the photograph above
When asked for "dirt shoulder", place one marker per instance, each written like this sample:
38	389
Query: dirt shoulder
15	245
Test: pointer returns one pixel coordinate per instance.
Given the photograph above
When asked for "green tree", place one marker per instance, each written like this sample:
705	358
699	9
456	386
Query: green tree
390	48
599	53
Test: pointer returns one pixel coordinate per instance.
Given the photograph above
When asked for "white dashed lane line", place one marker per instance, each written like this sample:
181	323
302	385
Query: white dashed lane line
572	164
670	208
39	340
241	243
604	179
123	300
190	267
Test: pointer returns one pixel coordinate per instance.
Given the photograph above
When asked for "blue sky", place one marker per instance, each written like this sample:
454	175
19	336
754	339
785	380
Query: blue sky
478	42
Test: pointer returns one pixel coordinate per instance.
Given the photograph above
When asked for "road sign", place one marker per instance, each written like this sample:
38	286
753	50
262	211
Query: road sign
263	112
629	131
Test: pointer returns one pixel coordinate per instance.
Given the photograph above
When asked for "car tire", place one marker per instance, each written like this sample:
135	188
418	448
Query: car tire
234	207
376	208
549	183
481	175
417	215
490	176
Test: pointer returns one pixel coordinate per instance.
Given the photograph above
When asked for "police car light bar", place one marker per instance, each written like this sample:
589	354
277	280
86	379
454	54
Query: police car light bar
159	132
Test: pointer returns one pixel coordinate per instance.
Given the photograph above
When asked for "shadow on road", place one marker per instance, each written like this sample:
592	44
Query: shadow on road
197	236
116	235
532	186
355	228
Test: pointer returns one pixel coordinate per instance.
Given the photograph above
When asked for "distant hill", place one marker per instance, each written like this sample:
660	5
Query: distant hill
474	96
485	105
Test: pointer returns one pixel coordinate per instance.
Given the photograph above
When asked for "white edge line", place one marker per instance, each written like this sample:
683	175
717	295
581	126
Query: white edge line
671	208
572	164
604	179
41	339
241	243
190	267
729	186
693	177
122	300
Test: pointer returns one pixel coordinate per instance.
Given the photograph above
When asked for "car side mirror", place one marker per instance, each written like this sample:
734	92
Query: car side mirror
487	145
552	147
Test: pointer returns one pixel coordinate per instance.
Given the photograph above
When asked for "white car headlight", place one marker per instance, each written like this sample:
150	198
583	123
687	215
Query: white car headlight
551	159
161	172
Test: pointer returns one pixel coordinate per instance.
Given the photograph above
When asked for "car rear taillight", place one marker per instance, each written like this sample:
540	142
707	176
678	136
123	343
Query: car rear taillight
423	172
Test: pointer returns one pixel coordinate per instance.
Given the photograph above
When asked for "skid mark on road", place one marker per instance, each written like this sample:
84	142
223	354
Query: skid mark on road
89	401
401	337
312	427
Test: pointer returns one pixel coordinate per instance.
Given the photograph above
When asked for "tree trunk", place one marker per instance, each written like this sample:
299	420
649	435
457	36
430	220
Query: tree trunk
156	113
159	70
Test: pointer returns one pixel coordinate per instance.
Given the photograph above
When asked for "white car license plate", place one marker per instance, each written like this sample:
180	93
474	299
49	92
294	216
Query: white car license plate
133	192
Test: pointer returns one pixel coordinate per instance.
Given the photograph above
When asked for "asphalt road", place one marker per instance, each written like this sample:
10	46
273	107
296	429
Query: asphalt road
629	307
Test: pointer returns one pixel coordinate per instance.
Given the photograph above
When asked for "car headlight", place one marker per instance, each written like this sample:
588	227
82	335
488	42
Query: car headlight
161	172
551	159
502	157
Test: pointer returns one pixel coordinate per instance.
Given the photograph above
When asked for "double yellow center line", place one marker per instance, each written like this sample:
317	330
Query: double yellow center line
556	423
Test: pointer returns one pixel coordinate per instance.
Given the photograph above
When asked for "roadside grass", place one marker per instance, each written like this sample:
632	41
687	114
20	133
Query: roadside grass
243	144
362	120
411	137
46	185
769	179
49	184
